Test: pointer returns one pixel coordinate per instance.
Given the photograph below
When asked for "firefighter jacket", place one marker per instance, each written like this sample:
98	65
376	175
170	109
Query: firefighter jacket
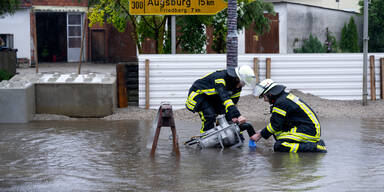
217	86
293	120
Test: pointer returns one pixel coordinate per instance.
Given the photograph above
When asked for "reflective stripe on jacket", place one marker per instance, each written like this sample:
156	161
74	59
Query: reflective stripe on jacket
216	84
292	119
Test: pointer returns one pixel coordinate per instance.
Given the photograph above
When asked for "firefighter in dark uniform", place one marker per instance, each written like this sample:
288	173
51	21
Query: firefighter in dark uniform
218	93
293	123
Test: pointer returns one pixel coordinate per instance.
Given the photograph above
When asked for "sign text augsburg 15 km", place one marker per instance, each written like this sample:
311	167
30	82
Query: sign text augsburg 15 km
176	7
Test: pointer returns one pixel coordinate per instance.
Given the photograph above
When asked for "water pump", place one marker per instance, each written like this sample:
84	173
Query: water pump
222	135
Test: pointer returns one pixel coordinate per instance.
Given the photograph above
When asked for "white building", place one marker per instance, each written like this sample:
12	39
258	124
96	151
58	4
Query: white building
56	31
18	26
297	19
345	5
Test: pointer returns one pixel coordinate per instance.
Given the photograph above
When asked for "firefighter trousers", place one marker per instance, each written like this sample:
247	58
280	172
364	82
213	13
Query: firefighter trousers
295	147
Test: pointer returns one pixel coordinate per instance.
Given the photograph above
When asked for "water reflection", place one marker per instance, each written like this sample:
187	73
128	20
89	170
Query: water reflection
297	171
98	155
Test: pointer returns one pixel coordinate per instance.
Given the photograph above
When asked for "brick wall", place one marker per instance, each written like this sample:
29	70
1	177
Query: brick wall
118	46
60	2
25	3
121	47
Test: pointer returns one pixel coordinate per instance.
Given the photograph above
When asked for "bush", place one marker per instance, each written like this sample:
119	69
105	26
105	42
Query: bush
349	42
4	75
311	45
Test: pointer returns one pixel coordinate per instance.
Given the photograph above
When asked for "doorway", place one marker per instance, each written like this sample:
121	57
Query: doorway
98	53
51	36
74	29
266	43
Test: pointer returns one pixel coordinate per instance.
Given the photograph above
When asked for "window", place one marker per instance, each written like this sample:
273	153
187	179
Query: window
7	40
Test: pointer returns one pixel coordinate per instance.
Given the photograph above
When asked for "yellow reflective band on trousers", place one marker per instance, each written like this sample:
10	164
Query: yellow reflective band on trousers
228	103
191	103
279	111
307	111
294	146
217	81
236	95
300	137
320	147
202	121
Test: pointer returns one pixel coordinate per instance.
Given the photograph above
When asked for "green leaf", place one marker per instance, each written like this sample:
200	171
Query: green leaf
9	6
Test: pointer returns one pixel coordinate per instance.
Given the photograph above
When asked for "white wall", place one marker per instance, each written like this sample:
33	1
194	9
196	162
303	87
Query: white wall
18	25
241	42
330	76
347	5
281	8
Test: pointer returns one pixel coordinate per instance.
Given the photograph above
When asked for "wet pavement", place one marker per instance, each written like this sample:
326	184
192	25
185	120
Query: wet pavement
98	155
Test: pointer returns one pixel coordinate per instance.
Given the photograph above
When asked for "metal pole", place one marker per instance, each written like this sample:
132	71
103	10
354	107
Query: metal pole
147	84
365	48
173	34
232	34
35	43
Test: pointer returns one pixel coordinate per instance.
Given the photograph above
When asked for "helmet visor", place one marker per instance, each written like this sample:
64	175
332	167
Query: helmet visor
249	80
258	91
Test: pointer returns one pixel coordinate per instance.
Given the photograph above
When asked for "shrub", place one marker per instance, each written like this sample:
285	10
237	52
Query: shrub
349	38
311	45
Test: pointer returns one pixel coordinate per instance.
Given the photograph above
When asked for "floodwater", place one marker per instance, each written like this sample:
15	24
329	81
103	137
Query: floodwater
98	155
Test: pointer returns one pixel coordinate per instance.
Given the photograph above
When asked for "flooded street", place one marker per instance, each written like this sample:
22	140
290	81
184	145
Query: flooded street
98	155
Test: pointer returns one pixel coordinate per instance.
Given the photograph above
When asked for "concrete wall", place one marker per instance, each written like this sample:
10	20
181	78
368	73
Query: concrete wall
303	20
76	100
17	104
18	25
84	95
329	76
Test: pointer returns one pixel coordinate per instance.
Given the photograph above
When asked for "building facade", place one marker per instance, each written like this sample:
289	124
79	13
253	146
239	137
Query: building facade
296	20
344	5
58	31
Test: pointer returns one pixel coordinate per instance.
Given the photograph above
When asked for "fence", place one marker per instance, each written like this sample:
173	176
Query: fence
329	76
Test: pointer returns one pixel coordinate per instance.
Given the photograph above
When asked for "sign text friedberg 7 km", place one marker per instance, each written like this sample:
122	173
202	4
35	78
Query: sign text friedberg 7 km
176	7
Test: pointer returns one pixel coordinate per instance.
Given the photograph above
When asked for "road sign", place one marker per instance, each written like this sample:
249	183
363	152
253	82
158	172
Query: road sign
176	7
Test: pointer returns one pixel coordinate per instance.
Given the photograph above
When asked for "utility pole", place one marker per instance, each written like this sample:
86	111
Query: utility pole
173	34
232	34
365	56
